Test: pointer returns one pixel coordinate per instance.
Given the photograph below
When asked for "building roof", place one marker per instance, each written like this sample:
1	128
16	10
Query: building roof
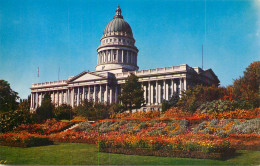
118	24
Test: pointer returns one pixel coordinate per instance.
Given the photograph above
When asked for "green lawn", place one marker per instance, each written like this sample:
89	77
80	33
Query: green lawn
87	154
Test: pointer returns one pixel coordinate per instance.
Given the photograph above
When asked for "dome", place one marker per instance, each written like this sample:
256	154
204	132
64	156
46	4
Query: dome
118	24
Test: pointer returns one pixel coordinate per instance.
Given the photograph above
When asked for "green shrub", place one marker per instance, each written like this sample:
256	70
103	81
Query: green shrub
12	119
38	141
46	110
171	103
64	112
193	97
218	106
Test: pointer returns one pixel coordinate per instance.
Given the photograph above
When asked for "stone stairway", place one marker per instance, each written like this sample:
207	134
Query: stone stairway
72	127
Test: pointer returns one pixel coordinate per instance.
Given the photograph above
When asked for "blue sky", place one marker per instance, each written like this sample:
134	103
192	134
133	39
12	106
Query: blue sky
53	34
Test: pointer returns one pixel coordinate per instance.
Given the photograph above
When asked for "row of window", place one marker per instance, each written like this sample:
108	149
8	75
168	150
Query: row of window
109	40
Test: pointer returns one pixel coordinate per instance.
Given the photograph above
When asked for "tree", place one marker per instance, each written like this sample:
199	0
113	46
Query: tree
171	103
8	97
132	95
247	87
24	104
193	97
64	112
92	111
45	111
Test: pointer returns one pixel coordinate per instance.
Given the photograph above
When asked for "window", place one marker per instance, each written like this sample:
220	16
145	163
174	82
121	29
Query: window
110	40
119	40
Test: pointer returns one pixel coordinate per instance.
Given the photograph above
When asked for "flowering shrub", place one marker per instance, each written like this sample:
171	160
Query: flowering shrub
208	136
223	106
84	126
203	143
138	115
79	119
75	137
24	139
48	127
11	119
225	127
198	116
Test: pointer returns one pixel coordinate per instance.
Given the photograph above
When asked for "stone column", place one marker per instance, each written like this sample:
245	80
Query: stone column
62	96
157	90
172	87
149	93
69	96
152	95
144	87
184	84
181	84
83	93
94	94
88	97
117	54
164	89
37	99
105	94
127	56
116	94
31	100
122	56
40	98
160	93
53	97
58	98
99	93
111	95
78	97
167	91
72	97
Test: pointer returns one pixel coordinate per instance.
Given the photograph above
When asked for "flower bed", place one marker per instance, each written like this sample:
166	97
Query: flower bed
197	146
74	137
245	141
140	115
198	116
48	127
24	139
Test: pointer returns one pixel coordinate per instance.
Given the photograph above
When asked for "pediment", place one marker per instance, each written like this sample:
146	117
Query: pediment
211	75
87	76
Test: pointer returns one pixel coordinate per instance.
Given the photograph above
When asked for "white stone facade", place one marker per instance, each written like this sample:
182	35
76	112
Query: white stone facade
117	58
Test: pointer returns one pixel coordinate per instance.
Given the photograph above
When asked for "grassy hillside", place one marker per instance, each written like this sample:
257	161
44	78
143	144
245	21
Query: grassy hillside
87	154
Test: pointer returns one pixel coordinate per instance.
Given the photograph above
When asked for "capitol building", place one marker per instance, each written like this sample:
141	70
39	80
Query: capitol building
116	59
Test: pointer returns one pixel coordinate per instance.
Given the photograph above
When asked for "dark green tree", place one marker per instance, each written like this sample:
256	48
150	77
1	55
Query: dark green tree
193	97
45	111
24	104
92	111
8	97
171	103
85	109
64	111
132	95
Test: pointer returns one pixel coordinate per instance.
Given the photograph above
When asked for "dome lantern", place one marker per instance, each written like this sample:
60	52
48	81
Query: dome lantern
118	13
